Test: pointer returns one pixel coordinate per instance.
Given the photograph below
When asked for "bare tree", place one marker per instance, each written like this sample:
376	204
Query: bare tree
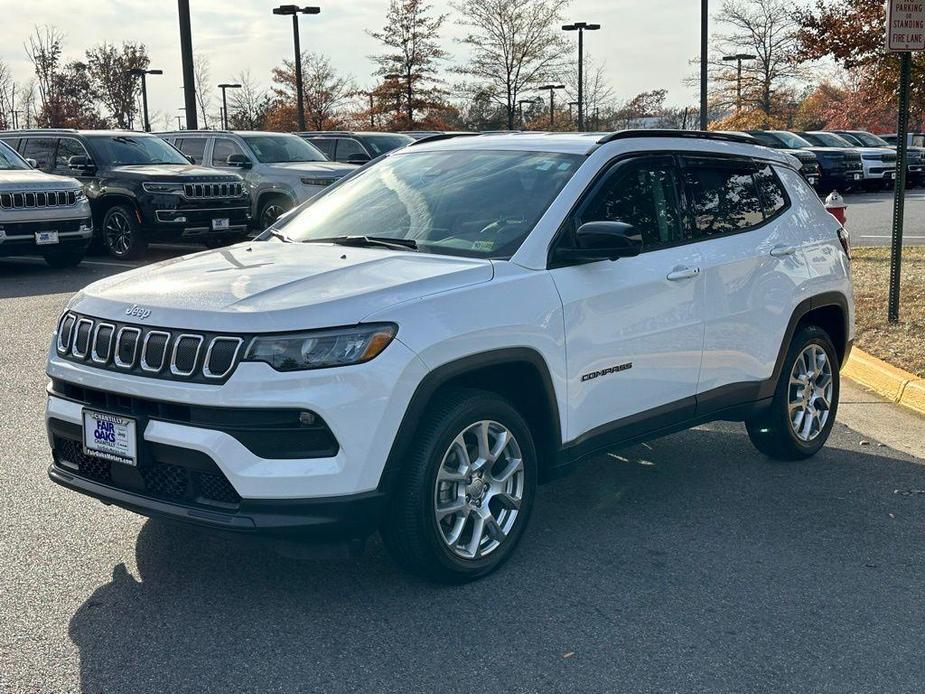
767	29
202	70
515	46
44	49
411	40
597	92
249	105
7	97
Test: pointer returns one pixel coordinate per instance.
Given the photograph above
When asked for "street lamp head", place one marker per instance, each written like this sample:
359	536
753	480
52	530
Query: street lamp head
138	72
155	72
576	26
552	86
739	56
229	86
295	9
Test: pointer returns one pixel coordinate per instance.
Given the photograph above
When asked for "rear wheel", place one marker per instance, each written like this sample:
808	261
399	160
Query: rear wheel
122	233
466	490
802	412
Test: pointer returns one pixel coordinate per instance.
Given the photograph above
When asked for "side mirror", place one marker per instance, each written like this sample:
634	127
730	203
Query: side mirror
239	160
80	163
189	159
358	159
32	162
603	241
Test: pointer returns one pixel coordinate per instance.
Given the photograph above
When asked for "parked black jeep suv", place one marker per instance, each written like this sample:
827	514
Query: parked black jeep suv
140	188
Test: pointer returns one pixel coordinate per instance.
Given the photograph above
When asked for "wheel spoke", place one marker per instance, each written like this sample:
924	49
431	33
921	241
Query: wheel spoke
478	529
507	501
484	445
807	427
458	505
514	464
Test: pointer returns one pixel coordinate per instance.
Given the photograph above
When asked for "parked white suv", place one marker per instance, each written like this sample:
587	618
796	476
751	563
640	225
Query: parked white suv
282	169
441	331
41	214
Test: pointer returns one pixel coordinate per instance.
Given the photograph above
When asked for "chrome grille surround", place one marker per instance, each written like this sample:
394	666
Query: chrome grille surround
176	346
215	359
35	199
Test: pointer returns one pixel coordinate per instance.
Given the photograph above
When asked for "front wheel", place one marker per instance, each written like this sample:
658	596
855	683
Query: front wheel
122	233
802	413
466	489
271	210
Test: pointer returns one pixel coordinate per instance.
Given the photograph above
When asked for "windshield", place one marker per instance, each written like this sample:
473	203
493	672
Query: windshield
9	160
380	144
870	140
118	150
827	140
282	149
852	139
480	204
790	140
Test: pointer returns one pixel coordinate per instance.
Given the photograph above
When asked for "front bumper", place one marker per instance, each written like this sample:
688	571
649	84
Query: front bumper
20	238
199	221
362	406
354	516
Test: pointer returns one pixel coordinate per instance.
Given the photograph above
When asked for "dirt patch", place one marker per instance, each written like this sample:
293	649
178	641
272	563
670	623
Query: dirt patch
901	344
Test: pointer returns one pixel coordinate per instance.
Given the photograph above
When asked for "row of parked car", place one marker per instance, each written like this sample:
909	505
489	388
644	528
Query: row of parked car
62	189
844	159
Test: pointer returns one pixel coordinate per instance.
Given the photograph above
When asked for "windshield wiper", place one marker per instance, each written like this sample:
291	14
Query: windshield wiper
384	241
280	235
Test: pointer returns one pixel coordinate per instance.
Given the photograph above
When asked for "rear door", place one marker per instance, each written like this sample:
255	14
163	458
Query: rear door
752	269
42	149
634	326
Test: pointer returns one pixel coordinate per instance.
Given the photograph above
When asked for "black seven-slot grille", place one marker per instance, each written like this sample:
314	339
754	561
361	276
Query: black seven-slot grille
38	198
213	190
201	357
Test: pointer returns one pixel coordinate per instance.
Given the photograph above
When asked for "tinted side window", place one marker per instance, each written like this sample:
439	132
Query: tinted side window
42	149
68	147
193	147
643	193
722	195
326	145
771	190
222	149
348	148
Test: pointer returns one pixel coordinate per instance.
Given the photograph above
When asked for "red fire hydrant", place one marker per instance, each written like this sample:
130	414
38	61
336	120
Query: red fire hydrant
837	207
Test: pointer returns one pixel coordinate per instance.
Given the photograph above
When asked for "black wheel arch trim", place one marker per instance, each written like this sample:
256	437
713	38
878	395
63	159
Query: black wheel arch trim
443	374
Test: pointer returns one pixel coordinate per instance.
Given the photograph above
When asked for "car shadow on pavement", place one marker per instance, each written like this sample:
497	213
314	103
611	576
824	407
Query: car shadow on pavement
690	564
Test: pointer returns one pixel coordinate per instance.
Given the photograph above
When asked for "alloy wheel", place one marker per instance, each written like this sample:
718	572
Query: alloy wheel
479	489
810	393
271	213
118	233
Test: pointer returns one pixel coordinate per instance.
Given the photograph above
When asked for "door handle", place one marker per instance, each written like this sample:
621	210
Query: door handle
683	273
783	251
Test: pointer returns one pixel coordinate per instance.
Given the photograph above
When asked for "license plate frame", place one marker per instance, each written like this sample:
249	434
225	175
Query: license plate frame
110	436
221	224
857	177
46	238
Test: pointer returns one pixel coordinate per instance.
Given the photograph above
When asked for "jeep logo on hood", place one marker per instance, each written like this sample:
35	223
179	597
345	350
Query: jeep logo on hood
138	311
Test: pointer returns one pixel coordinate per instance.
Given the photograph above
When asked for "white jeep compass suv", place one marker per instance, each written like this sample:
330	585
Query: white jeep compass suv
421	344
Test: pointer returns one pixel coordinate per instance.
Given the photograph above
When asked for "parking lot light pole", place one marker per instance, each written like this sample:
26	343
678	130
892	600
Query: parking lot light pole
520	104
581	28
295	11
186	55
570	104
738	58
223	87
140	72
704	51
552	102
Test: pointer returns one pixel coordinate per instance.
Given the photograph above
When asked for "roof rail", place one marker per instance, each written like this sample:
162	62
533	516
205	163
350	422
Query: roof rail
664	132
441	136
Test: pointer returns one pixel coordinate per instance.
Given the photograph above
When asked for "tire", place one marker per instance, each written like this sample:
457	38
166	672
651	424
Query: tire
271	209
122	235
64	259
441	550
774	432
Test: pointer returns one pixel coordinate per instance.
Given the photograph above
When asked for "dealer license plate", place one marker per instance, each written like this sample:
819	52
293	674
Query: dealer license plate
45	238
813	180
110	436
220	224
857	177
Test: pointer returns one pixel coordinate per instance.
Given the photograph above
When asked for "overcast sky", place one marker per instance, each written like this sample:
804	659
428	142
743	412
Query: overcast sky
646	44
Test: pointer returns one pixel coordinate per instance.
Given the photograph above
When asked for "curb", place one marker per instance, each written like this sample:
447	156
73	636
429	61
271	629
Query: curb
886	380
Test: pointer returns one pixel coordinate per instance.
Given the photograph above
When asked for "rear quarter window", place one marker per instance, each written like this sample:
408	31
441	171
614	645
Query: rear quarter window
723	196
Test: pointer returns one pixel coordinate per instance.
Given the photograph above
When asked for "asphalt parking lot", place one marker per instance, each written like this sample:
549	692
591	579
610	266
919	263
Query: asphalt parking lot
870	218
691	564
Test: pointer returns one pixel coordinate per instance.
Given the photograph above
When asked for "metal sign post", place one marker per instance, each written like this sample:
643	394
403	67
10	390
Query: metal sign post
905	32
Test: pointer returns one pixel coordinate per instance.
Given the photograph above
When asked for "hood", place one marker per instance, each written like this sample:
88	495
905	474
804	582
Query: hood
32	179
329	168
267	286
170	172
834	151
801	154
876	151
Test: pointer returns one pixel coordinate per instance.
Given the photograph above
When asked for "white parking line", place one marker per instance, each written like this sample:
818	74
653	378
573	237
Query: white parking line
128	266
905	236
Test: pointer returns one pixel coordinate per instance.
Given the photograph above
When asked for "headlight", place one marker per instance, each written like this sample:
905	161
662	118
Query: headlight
163	187
80	196
317	181
319	349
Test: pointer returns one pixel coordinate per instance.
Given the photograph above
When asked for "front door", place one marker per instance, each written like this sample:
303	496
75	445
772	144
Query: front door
634	326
